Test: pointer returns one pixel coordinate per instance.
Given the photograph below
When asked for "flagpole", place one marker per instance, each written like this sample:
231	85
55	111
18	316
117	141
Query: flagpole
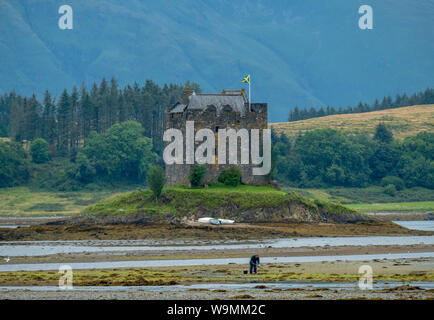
250	80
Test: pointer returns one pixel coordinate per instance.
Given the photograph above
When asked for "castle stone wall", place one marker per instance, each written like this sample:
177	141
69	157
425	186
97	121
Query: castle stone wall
256	118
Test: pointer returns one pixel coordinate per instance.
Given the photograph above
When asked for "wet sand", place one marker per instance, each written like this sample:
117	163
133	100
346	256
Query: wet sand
404	271
199	232
403	293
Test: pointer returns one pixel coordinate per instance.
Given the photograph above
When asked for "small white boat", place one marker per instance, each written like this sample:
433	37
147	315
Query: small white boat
226	221
205	220
215	221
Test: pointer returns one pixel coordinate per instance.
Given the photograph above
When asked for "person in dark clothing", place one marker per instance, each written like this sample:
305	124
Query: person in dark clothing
254	263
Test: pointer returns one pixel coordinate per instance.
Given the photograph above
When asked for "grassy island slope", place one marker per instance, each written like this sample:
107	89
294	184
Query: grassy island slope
243	204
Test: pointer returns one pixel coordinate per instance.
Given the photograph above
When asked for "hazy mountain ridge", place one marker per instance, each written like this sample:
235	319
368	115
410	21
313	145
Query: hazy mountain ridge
298	52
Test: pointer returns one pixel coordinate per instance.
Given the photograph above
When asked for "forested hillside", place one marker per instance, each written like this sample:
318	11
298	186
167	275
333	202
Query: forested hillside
102	136
66	121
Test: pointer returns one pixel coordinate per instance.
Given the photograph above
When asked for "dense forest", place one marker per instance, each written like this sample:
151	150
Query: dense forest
425	97
326	158
106	136
66	121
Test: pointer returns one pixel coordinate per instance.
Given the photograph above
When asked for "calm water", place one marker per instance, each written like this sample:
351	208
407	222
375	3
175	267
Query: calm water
228	286
50	247
13	226
198	262
417	225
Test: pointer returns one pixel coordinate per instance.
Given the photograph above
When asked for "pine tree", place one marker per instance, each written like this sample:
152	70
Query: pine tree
383	134
113	103
32	122
404	101
86	113
376	105
64	120
103	103
49	126
95	110
74	122
17	118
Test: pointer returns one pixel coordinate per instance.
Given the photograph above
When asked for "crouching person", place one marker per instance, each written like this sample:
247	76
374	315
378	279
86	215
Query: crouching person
254	263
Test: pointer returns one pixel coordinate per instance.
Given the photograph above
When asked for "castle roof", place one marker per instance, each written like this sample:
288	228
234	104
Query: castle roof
227	101
178	107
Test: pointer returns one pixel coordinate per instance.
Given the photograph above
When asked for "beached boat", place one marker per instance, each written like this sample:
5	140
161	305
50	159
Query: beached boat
215	221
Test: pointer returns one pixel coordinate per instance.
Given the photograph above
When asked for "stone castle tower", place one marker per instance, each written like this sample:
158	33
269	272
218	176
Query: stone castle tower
227	110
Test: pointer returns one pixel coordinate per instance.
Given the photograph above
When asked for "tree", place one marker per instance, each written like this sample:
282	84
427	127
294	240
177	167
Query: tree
86	112
156	180
84	171
40	150
74	125
49	126
397	182
383	134
32	118
13	164
5	110
383	161
197	174
64	117
16	118
120	152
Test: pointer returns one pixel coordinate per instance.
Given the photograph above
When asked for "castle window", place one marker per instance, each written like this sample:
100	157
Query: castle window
227	108
211	108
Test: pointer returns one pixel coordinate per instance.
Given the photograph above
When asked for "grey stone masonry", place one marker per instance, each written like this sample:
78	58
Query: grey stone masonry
226	110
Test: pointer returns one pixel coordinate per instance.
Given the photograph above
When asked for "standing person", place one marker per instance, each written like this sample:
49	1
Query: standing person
254	263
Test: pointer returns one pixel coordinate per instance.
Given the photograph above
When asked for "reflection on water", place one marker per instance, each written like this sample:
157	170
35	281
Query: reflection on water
198	262
48	248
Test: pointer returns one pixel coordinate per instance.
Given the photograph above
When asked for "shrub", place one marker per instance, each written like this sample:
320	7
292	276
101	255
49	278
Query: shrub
230	177
390	190
40	150
197	174
14	167
397	182
84	171
156	180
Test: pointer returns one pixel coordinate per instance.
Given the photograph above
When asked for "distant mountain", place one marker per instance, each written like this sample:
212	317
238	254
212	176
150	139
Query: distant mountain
298	52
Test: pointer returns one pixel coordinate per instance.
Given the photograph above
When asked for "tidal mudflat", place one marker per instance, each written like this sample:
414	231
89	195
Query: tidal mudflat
297	262
392	279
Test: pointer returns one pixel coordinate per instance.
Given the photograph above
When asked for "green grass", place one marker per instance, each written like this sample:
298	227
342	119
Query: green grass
373	199
20	201
426	206
24	201
373	194
183	201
